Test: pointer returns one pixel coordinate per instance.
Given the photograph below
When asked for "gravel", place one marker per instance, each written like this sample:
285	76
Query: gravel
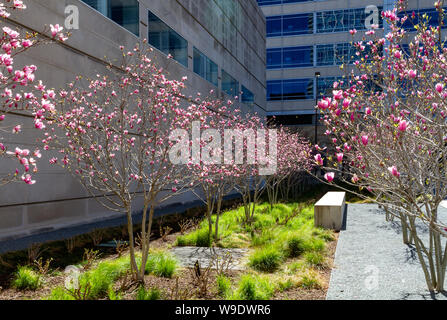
372	262
188	256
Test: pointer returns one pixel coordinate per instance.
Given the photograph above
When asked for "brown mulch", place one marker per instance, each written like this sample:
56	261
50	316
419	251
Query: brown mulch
183	285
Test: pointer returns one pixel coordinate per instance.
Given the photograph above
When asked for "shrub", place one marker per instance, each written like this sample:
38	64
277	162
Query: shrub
253	287
223	285
285	285
203	239
295	246
315	259
151	294
266	259
26	279
313	244
310	280
166	266
102	277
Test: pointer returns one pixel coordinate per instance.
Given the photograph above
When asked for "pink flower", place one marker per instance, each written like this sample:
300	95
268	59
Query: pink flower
339	157
355	178
403	125
365	140
318	159
27	179
412	74
323	104
439	87
353	32
394	172
368	111
17	129
2	117
55	29
329	176
338	94
397	54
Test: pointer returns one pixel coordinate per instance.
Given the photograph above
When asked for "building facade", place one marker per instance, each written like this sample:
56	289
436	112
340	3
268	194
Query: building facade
218	44
307	43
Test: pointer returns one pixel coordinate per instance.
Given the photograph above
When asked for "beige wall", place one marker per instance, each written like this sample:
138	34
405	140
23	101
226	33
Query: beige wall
57	200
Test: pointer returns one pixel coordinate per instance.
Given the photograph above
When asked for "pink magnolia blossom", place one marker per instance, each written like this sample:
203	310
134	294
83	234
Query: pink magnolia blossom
403	125
329	176
365	140
393	171
439	87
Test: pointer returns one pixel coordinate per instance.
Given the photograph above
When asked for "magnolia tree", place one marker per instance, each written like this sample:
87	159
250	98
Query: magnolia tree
256	158
213	174
115	140
293	158
19	96
388	125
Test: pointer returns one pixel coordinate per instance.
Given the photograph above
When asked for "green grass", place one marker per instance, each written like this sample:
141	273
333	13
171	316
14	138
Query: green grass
266	259
315	259
26	278
151	294
253	287
223	285
310	280
162	264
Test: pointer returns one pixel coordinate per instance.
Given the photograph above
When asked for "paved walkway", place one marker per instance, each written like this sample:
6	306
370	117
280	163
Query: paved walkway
188	256
371	261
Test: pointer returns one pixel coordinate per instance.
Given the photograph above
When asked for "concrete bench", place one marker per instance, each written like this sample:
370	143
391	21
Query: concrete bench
328	211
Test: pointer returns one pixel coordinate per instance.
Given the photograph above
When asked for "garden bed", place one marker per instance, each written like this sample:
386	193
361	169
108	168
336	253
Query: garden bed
287	258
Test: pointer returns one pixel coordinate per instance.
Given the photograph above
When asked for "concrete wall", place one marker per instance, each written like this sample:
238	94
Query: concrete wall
231	32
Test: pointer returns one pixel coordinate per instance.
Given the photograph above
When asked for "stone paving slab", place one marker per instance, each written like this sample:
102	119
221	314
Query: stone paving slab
372	262
188	256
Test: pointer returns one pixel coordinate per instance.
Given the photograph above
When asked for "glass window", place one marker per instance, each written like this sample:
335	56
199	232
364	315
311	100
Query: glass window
325	55
343	20
229	84
289	25
274	26
124	12
297	24
162	37
345	53
292	89
297	89
298	57
432	14
205	67
293	57
325	85
247	96
274	58
274	90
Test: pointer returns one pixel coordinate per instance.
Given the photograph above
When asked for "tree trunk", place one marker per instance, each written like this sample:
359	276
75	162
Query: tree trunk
133	262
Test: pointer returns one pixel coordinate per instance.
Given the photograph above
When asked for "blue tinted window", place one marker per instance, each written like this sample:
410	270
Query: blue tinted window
298	57
247	96
274	90
162	37
432	14
345	53
325	55
297	89
292	89
289	25
229	84
205	67
297	24
125	13
292	57
325	85
274	26
274	58
343	20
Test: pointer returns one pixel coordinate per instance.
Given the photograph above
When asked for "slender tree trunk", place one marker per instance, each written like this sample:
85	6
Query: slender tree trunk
133	262
216	227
